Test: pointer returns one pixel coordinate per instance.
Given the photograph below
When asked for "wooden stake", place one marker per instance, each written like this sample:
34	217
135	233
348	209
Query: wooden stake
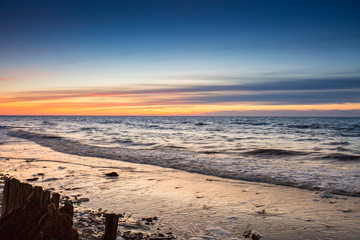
5	202
38	194
45	198
13	194
55	199
111	224
26	191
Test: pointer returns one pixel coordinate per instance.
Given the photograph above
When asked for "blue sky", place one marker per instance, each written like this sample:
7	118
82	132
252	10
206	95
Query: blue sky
175	44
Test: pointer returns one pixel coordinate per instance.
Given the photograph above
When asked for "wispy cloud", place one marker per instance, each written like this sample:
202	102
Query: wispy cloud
293	113
330	90
286	94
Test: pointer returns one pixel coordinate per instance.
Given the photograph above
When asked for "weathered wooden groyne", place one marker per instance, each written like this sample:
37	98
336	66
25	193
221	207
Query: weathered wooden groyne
29	212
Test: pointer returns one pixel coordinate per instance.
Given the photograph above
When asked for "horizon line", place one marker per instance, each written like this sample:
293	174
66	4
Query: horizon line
64	115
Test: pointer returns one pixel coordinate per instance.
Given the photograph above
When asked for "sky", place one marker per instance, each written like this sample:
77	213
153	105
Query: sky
180	57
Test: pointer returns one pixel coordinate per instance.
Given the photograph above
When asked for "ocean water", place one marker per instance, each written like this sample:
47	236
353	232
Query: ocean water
313	153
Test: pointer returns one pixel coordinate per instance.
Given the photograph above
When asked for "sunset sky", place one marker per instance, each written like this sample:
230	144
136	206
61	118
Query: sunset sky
180	57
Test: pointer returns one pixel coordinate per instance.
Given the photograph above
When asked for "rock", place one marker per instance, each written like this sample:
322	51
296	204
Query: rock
51	179
252	234
263	211
83	200
32	179
150	219
112	174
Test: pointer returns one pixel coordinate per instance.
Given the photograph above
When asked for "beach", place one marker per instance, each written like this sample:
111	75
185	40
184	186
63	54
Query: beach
189	205
189	120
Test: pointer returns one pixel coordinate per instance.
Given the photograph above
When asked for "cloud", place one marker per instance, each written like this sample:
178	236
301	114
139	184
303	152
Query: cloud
286	113
287	91
283	97
290	84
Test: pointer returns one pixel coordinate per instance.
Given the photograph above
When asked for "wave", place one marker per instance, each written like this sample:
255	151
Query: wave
354	134
164	147
111	122
338	143
48	123
307	139
201	124
88	129
52	137
214	129
342	157
159	127
212	152
127	141
249	123
273	152
305	126
239	168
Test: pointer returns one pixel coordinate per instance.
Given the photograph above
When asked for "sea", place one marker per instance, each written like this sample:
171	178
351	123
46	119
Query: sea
313	153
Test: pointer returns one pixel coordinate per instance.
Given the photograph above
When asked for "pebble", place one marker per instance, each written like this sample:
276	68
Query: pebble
32	179
252	234
112	174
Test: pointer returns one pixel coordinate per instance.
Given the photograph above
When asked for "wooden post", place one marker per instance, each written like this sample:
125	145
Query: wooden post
6	191
45	198
26	191
35	218
13	194
38	195
55	199
111	224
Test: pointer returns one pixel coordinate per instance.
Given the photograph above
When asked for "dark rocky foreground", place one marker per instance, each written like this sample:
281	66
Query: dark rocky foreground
90	225
87	224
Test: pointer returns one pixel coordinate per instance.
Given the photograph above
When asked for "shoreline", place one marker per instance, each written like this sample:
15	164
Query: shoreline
248	172
193	205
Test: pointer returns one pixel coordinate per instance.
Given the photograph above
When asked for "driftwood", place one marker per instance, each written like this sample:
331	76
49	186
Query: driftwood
29	213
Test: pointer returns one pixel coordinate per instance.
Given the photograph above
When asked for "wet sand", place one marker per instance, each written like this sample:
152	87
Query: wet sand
192	206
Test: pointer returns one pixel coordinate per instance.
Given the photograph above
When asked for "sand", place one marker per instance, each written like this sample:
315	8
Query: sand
191	206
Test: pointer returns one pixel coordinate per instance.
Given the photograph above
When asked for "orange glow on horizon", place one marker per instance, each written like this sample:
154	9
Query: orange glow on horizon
147	101
127	109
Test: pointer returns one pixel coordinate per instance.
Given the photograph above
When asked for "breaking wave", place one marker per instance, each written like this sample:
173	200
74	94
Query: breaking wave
249	166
